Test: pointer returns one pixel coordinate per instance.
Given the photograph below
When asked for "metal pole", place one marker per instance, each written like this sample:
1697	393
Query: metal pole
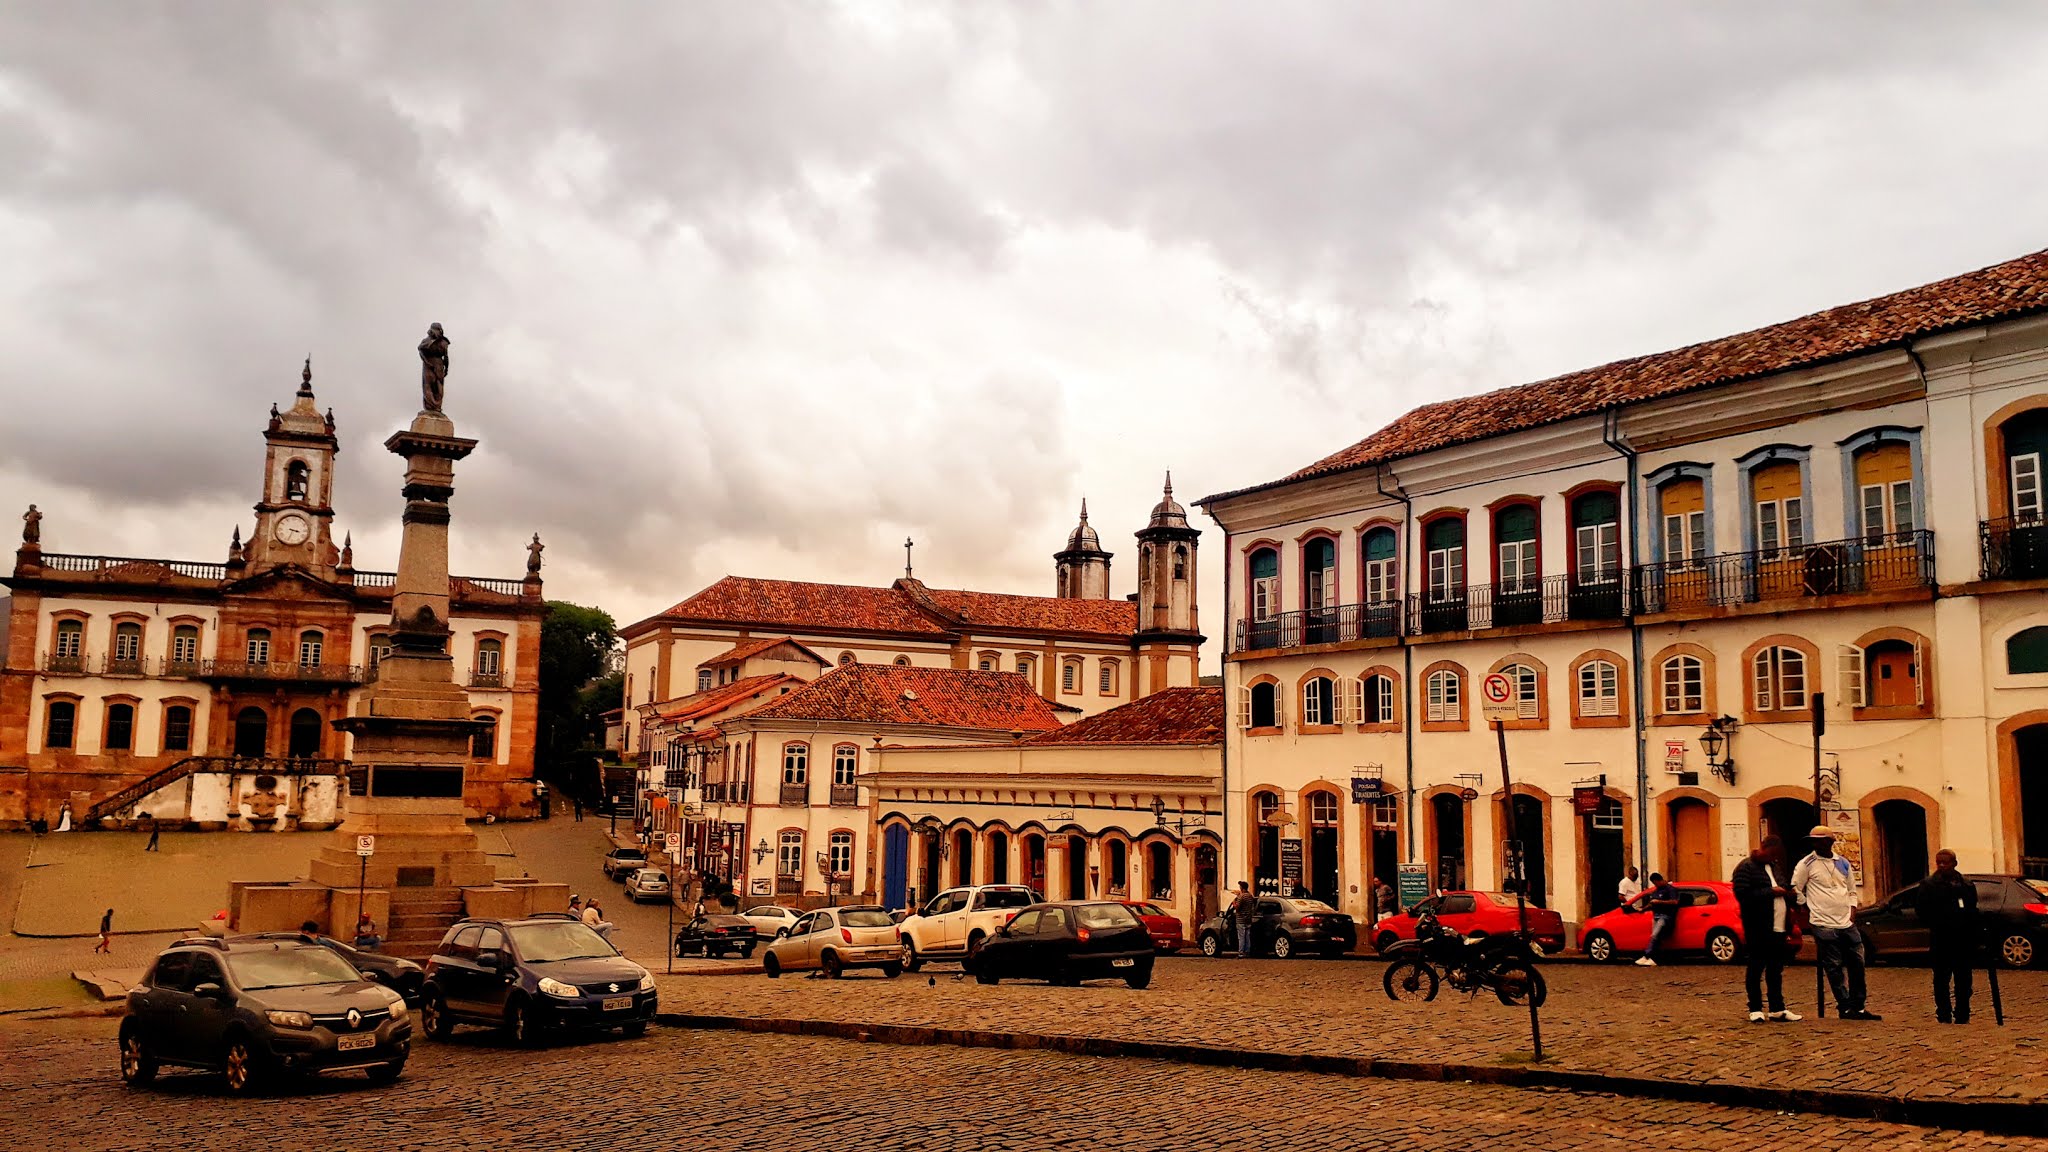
1507	791
1820	726
670	940
362	885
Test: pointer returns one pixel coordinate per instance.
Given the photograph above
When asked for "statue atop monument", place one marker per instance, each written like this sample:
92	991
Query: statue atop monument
433	368
32	527
533	552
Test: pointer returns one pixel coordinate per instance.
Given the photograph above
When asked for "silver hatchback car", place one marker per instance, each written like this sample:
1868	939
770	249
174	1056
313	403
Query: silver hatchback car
647	884
836	939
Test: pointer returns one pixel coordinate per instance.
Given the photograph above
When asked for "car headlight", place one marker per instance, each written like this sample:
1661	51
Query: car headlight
398	1009
647	982
290	1019
556	988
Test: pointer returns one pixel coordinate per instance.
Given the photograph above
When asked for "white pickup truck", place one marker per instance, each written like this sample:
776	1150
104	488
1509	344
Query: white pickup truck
954	923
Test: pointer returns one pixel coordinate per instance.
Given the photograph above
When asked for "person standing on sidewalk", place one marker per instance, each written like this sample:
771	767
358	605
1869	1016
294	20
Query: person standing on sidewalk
156	829
1664	902
106	944
1762	895
1947	904
1630	886
1822	883
1243	910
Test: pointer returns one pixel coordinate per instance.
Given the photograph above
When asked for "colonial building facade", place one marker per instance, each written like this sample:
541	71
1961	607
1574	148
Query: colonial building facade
124	677
1671	560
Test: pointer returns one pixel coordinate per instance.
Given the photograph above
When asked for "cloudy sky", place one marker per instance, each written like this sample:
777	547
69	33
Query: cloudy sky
763	287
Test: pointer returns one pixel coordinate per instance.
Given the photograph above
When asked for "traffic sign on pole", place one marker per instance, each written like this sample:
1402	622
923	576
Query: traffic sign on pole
673	842
366	845
1497	696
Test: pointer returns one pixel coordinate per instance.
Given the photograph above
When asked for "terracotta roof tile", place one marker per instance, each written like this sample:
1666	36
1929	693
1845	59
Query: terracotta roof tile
2002	291
890	694
715	700
1117	618
746	650
1169	716
798	605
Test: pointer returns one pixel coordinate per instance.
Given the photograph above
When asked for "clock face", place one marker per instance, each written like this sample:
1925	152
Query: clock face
292	530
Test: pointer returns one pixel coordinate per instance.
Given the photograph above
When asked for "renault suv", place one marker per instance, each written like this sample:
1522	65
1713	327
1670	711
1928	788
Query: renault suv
531	977
252	1009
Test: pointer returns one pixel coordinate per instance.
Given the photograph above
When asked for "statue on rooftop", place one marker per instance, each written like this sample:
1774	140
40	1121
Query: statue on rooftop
32	526
433	368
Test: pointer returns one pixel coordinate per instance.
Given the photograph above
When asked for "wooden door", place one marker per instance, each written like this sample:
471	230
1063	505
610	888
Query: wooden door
1692	848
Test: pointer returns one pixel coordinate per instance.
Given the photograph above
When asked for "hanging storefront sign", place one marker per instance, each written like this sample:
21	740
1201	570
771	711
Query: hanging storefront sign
1364	789
1586	801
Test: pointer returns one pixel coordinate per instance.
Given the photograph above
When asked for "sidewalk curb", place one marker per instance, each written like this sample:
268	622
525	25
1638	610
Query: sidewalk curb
2005	1117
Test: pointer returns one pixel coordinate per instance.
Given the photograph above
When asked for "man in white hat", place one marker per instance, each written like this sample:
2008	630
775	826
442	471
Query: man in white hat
1822	883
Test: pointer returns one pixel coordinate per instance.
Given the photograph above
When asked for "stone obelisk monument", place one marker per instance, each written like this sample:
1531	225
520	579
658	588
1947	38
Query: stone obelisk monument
413	727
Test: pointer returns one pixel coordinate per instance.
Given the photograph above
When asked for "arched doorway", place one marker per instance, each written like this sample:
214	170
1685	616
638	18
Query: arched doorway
1077	868
1447	817
1116	868
1034	862
1789	819
1900	827
2030	748
1323	867
1525	826
998	858
1606	855
252	732
1691	839
305	735
963	856
1386	842
930	876
1266	868
1206	899
1158	870
895	866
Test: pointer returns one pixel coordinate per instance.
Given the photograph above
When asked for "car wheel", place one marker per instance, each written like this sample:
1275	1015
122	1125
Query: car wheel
1283	947
1599	946
1140	976
240	1065
138	1067
747	952
829	964
522	1025
434	1020
387	1073
984	976
633	1031
974	943
2016	950
1722	946
771	966
1409	980
911	960
1212	946
1384	941
781	932
892	970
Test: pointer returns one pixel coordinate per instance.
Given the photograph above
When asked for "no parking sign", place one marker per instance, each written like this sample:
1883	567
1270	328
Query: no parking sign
1497	696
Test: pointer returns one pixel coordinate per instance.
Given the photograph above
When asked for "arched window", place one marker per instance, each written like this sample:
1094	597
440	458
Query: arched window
846	658
841	848
704	679
1884	491
296	475
1382	567
1683	682
483	743
1528	691
1322	809
312	648
1261	705
1180	561
1445	539
796	763
67	652
1070	674
989	662
1159	870
1119	854
1319	573
789	854
120	727
1444	697
259	646
1265	584
1319	702
60	724
2027	651
1778	680
177	728
1025	667
184	647
1778	504
903	662
2026	443
1376	700
127	647
1106	677
1600	688
490	656
1683	505
252	732
303	742
845	765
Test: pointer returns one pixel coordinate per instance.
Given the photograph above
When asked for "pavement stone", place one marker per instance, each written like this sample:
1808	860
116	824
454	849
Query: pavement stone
720	1092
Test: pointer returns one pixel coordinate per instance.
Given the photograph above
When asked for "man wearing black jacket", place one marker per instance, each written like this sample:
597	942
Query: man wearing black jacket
1947	905
1764	900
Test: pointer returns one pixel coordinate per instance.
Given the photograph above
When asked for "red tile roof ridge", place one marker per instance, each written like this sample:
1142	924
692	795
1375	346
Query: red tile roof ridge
1170	716
2000	291
911	695
747	649
719	698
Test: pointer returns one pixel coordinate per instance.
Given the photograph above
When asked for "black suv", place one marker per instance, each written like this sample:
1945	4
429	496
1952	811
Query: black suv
394	972
254	1008
531	977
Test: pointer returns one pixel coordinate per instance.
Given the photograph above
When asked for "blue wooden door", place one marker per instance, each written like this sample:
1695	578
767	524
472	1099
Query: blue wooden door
895	865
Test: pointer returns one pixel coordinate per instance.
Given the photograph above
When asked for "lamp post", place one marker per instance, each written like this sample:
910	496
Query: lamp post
1718	737
1179	824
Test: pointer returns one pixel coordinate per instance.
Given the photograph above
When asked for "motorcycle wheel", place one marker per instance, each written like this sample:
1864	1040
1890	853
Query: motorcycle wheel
1515	982
1410	981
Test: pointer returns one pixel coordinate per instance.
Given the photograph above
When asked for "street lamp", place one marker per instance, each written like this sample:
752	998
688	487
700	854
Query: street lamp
1181	824
762	850
1717	737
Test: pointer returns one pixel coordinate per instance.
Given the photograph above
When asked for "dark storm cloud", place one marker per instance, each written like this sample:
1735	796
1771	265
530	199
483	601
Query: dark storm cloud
766	286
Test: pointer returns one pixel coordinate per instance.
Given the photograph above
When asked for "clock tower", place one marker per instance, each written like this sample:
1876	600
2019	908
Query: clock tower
294	520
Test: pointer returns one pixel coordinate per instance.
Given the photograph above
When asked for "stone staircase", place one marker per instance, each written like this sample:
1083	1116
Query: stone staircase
419	918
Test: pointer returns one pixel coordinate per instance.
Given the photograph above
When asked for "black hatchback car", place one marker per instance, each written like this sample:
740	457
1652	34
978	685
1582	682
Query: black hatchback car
1284	927
532	977
2012	909
1068	942
252	1009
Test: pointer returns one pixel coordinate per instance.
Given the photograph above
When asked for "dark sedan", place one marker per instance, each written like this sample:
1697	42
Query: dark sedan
1283	928
1067	943
396	973
2012	909
715	934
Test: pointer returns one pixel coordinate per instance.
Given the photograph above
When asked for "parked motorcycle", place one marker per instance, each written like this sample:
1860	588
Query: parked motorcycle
1504	964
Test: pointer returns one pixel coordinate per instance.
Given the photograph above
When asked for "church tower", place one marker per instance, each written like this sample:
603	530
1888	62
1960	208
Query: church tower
295	518
1169	638
1084	566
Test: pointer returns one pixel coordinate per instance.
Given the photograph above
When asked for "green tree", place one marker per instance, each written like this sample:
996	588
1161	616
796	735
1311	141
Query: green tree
578	646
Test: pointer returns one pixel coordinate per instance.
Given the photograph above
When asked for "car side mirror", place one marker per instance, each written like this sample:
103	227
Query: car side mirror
490	959
1003	931
373	976
210	991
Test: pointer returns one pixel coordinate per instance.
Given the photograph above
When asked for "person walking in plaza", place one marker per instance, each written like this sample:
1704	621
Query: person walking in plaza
1383	900
1822	883
1630	887
1663	902
1762	895
1243	910
1947	904
156	829
106	942
577	800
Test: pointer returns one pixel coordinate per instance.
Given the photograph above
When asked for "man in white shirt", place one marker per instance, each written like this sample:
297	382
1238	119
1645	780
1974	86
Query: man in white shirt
1822	883
1630	887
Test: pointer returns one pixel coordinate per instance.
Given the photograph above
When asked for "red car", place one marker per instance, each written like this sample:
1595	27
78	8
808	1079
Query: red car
1473	914
1708	922
1163	926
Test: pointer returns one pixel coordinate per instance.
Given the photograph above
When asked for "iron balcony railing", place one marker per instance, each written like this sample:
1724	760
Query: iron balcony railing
2013	549
845	795
1332	625
278	670
486	679
63	662
1897	562
795	795
1552	600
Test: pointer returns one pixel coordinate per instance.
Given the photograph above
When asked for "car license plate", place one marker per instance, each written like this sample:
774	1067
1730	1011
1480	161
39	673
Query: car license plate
618	1003
1125	963
355	1043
